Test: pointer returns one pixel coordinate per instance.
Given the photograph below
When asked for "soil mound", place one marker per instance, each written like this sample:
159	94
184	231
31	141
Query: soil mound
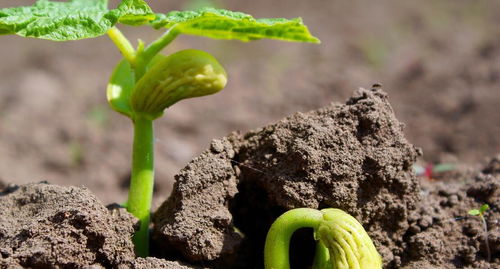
48	226
44	226
351	156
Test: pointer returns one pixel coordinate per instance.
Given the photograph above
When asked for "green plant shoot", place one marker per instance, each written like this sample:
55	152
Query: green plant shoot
342	243
145	82
480	212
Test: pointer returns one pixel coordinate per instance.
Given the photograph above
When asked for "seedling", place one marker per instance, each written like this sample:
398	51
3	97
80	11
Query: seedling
480	212
429	171
341	240
146	82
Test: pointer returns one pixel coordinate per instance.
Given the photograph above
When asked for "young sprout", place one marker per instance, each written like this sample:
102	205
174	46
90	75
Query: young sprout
342	242
480	212
429	171
145	83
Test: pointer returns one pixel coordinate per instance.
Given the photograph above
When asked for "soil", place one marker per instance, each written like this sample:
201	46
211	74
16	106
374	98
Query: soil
351	156
438	61
49	226
442	233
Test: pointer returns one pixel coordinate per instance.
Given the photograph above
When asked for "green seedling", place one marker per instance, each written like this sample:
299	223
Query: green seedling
429	171
480	212
145	82
342	243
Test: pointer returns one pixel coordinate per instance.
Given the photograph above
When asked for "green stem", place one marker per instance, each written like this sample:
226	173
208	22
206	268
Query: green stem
154	48
321	257
485	229
123	44
141	185
276	250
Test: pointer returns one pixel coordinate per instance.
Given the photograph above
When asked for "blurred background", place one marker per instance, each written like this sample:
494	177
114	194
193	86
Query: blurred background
438	60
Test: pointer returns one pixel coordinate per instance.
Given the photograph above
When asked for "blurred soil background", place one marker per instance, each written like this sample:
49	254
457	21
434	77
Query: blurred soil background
438	60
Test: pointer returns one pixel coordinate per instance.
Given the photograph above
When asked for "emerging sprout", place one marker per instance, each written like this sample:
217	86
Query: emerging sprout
145	82
342	243
185	74
480	212
348	243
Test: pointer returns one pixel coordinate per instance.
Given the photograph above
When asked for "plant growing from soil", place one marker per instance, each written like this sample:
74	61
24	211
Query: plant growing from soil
145	82
341	240
480	212
430	170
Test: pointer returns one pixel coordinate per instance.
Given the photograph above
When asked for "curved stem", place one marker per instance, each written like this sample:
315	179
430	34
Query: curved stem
123	44
276	250
485	229
141	185
321	257
159	44
154	48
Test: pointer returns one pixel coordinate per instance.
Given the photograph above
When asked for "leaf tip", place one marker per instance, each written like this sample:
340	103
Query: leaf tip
484	207
315	40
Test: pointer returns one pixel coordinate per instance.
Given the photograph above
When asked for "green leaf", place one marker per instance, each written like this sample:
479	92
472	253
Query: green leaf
135	12
484	208
224	24
72	20
474	212
59	21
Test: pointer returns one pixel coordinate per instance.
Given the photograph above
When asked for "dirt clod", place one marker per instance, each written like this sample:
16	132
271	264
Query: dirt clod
44	225
352	156
48	226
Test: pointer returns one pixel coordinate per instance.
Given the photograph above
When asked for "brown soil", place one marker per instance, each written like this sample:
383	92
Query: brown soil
442	233
438	60
350	156
48	226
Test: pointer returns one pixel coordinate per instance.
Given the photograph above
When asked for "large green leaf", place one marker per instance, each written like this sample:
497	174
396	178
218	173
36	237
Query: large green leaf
224	24
135	12
72	20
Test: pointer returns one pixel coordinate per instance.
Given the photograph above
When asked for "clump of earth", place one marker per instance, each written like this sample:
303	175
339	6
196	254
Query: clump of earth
351	156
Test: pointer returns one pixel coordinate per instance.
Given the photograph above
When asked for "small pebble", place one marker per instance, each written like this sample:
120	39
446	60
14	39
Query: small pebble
471	229
425	222
415	229
230	153
216	146
237	171
453	200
